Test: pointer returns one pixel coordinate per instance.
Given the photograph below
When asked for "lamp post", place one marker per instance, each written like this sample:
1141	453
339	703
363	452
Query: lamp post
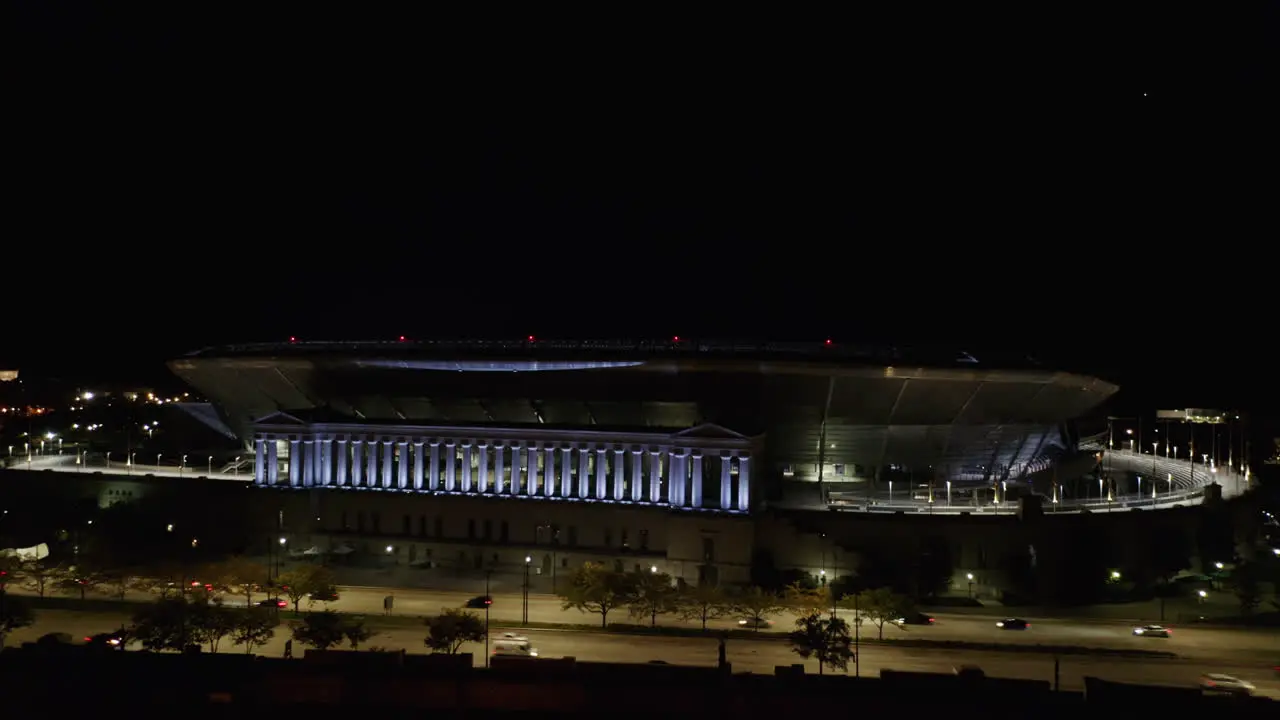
210	466
182	465
283	541
969	576
524	596
488	575
158	455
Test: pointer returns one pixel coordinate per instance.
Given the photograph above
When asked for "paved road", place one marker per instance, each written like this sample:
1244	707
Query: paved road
1261	645
760	656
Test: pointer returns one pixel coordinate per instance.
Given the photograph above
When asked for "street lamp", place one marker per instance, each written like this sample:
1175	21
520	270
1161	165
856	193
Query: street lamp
158	455
182	465
488	575
210	466
970	577
129	462
235	469
524	597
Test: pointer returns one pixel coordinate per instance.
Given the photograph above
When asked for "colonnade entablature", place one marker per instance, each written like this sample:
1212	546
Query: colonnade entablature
706	467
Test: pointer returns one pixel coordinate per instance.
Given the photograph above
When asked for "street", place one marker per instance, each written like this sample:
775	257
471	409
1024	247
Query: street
758	656
1189	641
1201	642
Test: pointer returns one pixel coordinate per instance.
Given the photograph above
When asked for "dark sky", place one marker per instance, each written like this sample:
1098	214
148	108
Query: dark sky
1090	188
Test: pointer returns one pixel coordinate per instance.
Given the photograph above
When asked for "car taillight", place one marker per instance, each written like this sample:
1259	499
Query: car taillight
281	603
88	639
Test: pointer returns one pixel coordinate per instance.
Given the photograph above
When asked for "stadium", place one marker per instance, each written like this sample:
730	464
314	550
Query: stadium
849	419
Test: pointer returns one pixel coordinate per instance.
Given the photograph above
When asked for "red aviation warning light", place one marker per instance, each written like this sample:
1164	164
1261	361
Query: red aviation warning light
675	338
827	343
532	339
293	339
401	338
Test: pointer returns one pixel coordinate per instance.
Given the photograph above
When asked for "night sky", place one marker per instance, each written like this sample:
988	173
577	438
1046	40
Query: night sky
1089	190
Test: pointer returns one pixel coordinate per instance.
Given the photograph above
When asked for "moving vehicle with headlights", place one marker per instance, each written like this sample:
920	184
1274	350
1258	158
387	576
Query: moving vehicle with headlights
755	623
513	644
1013	624
1219	683
1155	631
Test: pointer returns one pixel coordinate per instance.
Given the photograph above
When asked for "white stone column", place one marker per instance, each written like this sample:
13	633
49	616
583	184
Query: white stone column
450	465
744	483
342	480
402	465
466	466
482	467
695	482
549	471
499	462
295	462
726	482
584	471
637	476
675	478
419	464
326	462
531	472
388	458
357	462
308	462
433	470
566	471
273	462
655	476
619	468
371	462
259	461
602	469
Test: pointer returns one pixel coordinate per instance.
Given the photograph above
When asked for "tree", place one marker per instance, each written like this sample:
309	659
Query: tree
117	583
756	605
79	580
39	576
303	580
10	570
702	603
806	600
355	631
239	576
447	631
824	638
882	605
163	624
15	613
254	628
1244	582
321	630
593	589
935	568
211	623
652	594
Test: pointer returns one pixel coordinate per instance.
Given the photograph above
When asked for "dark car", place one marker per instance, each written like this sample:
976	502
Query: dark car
918	618
480	601
108	640
273	603
1013	624
328	594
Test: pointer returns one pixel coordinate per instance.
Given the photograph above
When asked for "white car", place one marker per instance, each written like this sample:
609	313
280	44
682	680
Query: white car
1219	683
1156	631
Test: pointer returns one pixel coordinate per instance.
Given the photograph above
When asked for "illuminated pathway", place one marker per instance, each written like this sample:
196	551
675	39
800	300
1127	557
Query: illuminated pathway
100	465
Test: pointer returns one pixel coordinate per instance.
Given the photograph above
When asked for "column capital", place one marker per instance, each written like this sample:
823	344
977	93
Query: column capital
417	443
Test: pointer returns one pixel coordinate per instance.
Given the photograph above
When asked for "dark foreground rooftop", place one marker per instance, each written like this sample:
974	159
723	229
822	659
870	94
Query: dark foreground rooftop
330	683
